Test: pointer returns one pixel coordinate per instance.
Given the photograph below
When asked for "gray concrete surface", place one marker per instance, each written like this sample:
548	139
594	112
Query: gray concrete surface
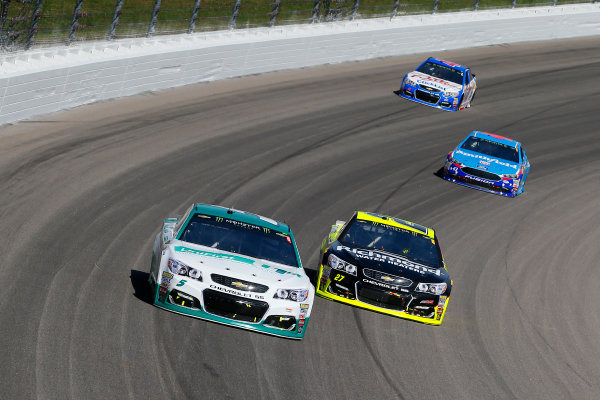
83	192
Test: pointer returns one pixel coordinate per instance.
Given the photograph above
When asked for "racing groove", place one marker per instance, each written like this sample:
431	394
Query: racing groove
83	192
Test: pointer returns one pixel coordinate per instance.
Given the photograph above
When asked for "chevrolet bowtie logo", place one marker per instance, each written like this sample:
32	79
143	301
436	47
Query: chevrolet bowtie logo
387	278
238	285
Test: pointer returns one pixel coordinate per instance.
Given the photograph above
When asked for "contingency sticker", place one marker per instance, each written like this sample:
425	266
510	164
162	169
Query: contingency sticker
325	276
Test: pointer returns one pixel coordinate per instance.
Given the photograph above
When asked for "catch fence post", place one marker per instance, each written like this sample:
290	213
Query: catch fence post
33	26
315	11
194	16
3	15
154	18
76	15
395	8
274	13
115	20
236	12
354	10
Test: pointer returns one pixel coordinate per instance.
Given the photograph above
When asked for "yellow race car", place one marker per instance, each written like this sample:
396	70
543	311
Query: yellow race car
385	264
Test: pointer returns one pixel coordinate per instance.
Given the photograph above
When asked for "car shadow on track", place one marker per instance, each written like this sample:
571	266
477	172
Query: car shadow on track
142	290
439	173
312	274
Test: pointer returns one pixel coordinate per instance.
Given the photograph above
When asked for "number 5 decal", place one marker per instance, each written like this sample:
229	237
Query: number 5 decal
181	282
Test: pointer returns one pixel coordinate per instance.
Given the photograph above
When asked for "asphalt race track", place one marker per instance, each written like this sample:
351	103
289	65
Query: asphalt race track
83	192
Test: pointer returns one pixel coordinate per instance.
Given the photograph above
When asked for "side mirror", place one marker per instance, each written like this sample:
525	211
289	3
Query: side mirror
168	229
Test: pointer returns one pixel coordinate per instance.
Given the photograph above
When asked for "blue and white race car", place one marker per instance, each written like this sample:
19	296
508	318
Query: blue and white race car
440	84
488	162
234	268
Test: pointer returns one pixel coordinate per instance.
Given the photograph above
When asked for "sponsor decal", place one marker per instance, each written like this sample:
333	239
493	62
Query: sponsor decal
304	306
245	260
342	287
288	310
488	159
383	285
437	83
390	259
484	162
325	275
235	292
426	301
183	249
300	329
162	290
442	301
422	307
451	63
166	279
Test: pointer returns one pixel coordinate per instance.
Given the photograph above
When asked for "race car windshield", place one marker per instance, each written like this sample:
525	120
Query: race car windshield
409	244
442	72
241	238
492	149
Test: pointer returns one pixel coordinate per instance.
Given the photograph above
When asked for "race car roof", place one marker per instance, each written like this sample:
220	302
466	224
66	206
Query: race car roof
397	222
447	63
242	216
495	138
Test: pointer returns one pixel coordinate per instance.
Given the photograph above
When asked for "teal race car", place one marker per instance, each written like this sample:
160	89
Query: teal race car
232	267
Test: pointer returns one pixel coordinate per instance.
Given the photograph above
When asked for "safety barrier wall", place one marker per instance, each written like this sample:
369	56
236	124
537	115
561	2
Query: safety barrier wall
47	80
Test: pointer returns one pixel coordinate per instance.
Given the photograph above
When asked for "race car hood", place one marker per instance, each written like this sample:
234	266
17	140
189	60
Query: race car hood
390	263
486	163
431	81
210	260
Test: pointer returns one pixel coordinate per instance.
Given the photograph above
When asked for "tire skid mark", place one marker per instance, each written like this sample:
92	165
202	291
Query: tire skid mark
397	387
515	298
304	150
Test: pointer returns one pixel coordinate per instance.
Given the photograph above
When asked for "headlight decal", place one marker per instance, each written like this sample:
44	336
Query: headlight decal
337	263
179	268
432	288
297	295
